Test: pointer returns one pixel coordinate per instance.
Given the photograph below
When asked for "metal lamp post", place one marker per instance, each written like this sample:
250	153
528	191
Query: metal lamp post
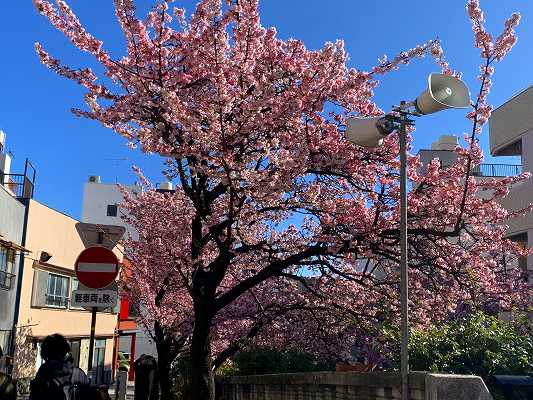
443	92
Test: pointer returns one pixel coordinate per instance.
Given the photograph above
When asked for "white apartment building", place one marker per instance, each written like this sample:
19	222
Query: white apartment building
511	134
101	203
12	216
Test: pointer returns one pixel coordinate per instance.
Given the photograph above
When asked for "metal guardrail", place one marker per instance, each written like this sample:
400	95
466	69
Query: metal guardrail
21	185
6	280
497	170
14	183
18	184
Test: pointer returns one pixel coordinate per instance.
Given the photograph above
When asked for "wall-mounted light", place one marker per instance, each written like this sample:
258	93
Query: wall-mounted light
45	256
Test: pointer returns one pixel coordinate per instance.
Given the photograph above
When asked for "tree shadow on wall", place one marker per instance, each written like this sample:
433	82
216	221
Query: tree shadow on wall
24	358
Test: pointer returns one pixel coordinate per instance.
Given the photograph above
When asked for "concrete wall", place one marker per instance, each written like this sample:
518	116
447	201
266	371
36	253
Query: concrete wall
11	226
446	157
527	151
510	121
353	386
11	216
51	231
96	198
520	195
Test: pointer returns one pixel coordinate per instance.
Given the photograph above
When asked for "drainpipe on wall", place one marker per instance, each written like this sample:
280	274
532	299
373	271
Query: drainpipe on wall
16	313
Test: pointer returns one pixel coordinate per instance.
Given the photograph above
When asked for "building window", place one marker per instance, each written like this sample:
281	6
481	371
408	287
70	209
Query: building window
57	291
75	351
522	240
99	362
111	210
7	259
74	285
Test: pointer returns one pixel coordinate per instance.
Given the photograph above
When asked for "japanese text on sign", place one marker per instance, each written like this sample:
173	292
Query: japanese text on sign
94	298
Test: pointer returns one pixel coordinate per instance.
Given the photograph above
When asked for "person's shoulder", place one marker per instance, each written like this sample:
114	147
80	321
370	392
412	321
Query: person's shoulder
43	372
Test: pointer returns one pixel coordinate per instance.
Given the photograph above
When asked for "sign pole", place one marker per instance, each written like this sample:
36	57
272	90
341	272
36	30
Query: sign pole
96	268
91	343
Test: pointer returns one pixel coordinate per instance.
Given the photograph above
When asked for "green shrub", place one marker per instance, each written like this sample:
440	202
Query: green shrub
262	360
480	345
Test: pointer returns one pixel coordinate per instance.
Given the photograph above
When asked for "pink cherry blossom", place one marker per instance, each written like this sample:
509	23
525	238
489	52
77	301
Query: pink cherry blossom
280	230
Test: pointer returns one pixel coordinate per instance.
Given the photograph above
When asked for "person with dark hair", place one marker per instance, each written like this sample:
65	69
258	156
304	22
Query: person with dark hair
57	378
146	378
54	347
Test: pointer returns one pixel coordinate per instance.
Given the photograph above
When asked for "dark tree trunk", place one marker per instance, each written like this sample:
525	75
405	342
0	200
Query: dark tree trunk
202	376
164	360
168	347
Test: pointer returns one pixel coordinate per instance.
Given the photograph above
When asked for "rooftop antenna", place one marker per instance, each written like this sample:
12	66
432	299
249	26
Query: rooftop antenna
116	162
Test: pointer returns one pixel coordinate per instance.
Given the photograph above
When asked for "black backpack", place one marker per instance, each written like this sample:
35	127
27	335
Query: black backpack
57	389
78	391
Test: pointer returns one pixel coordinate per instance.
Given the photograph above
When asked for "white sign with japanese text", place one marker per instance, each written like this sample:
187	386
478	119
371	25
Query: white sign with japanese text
94	298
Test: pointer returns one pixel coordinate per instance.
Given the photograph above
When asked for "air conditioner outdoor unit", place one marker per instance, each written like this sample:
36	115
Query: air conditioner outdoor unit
94	179
165	186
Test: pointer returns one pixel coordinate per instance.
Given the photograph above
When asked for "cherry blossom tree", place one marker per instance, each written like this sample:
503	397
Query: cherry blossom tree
157	290
269	191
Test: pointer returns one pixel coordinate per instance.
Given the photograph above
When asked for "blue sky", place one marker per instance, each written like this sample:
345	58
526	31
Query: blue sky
35	102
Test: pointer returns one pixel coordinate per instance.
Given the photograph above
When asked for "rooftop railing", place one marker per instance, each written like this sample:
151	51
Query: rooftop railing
14	183
497	170
20	185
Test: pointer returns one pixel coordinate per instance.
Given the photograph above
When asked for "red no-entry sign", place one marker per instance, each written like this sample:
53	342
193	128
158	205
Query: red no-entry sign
96	267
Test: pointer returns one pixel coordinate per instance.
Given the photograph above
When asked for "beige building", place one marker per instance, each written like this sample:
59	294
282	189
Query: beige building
511	134
55	240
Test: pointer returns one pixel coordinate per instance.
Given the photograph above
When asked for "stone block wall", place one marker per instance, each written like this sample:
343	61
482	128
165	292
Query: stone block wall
351	386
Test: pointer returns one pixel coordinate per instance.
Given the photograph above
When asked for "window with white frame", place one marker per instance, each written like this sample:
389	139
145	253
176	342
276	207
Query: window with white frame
57	291
74	285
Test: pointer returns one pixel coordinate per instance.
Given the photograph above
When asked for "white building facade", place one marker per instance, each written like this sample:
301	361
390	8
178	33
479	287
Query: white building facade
511	134
101	205
12	220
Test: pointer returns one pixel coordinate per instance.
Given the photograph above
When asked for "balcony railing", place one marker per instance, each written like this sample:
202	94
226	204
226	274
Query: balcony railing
6	280
14	183
20	185
497	170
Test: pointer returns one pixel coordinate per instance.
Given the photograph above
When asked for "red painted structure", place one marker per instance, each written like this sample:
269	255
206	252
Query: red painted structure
126	325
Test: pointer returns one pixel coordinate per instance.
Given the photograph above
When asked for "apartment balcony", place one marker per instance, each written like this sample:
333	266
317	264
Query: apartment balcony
509	123
519	197
20	185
